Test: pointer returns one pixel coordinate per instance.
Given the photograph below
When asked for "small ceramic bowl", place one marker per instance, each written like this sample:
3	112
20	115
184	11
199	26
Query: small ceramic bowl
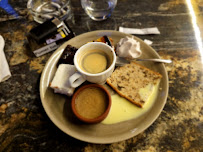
91	103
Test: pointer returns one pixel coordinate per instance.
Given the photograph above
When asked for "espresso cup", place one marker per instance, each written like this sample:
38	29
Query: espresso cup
95	62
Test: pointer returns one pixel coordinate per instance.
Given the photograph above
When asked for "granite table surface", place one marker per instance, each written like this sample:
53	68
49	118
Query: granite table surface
24	125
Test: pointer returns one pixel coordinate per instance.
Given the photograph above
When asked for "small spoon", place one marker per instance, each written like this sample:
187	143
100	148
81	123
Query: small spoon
122	61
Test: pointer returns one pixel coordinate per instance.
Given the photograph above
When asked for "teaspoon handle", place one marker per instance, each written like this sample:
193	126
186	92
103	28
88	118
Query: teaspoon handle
156	60
123	61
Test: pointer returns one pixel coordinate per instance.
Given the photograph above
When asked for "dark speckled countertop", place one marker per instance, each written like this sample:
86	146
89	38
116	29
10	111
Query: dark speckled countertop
24	125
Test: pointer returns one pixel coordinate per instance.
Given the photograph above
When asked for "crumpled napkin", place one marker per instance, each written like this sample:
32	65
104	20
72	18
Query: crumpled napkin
143	31
4	68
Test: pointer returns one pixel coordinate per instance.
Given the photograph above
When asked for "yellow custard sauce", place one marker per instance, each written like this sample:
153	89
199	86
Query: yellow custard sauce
122	109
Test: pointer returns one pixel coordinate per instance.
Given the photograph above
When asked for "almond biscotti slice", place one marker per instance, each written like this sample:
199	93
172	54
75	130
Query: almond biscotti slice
132	80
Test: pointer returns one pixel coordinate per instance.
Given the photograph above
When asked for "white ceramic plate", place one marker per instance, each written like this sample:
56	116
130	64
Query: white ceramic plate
58	108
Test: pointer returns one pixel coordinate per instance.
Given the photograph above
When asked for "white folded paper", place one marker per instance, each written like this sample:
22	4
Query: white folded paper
60	82
4	68
144	31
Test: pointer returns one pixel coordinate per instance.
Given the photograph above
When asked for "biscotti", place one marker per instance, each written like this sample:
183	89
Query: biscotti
129	80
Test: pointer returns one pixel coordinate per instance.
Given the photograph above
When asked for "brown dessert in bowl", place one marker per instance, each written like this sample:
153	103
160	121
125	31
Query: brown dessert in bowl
91	103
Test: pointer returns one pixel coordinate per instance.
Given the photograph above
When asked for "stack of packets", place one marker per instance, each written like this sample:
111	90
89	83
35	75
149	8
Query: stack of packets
49	36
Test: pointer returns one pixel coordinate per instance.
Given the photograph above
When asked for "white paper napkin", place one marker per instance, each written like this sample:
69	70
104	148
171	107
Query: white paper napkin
4	68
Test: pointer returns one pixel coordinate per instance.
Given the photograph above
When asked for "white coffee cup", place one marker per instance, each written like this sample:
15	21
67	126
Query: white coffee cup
82	75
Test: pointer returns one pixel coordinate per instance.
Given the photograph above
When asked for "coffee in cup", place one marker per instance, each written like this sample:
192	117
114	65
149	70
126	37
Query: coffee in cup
95	62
